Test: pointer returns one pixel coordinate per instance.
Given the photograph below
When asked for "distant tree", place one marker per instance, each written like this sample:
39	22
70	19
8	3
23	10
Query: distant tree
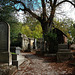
31	22
26	30
15	29
37	33
63	25
5	14
66	26
72	29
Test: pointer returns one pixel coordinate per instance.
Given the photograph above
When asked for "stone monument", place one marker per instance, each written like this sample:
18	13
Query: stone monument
5	55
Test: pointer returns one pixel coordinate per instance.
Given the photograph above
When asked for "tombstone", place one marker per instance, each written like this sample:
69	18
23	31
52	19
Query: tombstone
25	42
40	43
5	55
30	45
40	46
35	44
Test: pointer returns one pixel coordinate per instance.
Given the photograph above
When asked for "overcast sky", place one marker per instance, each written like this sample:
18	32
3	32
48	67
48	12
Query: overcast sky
68	10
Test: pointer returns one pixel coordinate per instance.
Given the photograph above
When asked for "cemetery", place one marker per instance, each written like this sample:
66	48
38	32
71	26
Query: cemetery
11	53
37	37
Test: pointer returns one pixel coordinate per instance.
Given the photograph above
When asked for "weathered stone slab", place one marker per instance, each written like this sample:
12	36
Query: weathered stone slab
50	55
5	55
17	59
62	46
4	37
64	50
40	44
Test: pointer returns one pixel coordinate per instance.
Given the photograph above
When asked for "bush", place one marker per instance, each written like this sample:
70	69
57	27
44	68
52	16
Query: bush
52	43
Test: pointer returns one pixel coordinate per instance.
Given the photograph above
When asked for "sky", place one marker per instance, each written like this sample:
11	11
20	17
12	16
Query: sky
69	10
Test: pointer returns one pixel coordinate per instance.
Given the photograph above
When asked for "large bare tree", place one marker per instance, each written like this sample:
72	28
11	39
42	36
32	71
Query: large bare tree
47	8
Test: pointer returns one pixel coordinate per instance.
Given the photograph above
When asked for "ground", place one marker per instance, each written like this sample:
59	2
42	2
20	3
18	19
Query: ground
40	65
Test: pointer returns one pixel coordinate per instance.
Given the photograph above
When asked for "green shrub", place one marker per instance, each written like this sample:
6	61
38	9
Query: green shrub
52	43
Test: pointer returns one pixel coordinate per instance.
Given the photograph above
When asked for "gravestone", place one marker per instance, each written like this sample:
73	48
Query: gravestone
40	46
35	44
25	42
30	45
5	55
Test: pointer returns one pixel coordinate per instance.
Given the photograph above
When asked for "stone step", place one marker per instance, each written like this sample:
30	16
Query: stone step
50	55
63	50
63	56
62	46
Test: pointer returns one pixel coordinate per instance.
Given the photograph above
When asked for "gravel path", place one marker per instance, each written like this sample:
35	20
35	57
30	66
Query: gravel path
35	65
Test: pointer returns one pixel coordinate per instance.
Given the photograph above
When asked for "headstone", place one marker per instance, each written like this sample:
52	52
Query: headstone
5	55
40	44
30	45
35	44
25	42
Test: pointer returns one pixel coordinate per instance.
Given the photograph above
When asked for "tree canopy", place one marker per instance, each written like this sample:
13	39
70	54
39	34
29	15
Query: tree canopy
43	10
47	10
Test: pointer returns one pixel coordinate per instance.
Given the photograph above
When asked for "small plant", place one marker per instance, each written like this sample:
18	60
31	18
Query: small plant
13	53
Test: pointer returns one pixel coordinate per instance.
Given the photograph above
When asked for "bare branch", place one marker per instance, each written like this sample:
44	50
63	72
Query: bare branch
55	1
51	3
50	19
27	9
65	1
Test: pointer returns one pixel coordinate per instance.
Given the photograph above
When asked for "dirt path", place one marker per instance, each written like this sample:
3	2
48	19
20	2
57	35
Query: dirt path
35	65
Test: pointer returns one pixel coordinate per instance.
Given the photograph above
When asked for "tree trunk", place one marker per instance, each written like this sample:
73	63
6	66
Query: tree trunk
45	28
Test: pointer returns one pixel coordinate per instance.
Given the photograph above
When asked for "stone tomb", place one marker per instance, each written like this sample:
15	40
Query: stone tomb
63	53
5	55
